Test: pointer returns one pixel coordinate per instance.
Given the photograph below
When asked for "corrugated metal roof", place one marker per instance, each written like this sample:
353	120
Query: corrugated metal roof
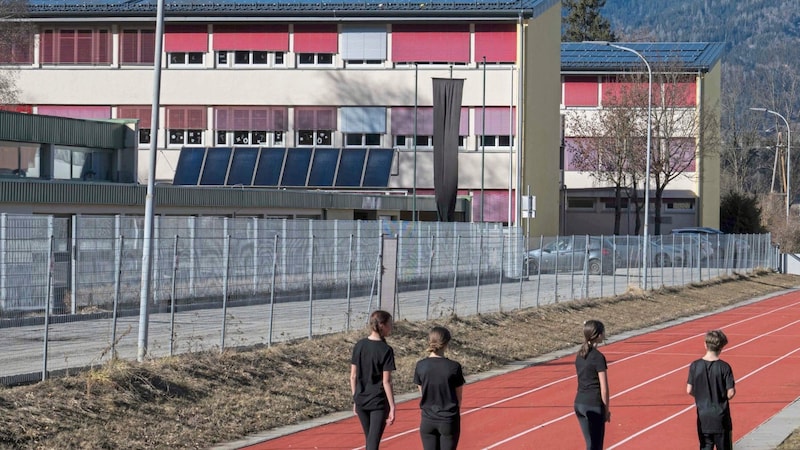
691	56
279	8
21	127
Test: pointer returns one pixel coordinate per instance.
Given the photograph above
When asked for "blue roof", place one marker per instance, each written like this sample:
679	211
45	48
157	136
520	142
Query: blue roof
597	57
279	8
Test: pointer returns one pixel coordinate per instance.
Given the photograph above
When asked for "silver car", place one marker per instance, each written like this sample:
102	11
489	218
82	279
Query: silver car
570	254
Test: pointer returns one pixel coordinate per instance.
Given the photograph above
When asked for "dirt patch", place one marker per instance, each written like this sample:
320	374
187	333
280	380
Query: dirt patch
194	401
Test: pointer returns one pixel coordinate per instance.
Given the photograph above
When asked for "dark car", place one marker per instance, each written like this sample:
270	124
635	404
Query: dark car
720	244
570	254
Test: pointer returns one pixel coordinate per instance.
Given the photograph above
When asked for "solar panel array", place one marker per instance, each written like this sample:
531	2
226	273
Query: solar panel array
284	167
599	56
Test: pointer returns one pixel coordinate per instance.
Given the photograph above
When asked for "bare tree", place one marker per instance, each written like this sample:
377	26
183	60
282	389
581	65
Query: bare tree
16	44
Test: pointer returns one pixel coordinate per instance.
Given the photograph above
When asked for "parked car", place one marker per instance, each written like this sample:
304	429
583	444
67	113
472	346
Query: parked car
720	242
631	252
692	246
570	254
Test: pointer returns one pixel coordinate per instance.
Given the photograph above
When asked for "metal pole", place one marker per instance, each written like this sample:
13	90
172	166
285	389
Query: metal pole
480	263
172	297
117	285
455	272
349	281
788	157
483	141
272	290
47	304
227	257
311	288
147	248
511	148
430	270
414	213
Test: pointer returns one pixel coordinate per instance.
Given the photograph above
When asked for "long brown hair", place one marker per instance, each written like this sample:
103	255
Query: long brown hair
592	329
438	338
378	320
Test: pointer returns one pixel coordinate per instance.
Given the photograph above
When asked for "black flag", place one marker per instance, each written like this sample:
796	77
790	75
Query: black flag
446	119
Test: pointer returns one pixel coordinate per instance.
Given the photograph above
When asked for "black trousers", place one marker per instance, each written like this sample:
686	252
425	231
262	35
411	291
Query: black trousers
440	435
373	422
592	419
718	441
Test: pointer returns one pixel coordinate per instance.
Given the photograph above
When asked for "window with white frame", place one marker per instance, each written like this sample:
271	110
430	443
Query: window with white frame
143	114
250	45
315	126
186	44
314	59
499	127
250	58
363	126
405	136
185	125
363	44
250	126
137	47
316	44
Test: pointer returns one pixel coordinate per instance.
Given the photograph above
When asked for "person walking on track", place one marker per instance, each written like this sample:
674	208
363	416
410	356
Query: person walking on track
592	399
712	385
371	369
441	382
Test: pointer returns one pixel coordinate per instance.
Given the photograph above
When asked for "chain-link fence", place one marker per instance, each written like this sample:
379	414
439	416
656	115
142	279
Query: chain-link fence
70	287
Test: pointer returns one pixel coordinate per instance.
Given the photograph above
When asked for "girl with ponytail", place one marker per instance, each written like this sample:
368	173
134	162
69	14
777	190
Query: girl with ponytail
592	399
371	369
441	382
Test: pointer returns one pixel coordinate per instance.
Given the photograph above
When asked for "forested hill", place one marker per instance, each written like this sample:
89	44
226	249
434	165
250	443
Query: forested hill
758	32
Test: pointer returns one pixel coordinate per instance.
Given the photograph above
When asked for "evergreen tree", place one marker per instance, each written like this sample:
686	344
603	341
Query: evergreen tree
739	213
583	22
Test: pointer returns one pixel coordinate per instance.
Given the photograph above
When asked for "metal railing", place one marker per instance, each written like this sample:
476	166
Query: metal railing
69	287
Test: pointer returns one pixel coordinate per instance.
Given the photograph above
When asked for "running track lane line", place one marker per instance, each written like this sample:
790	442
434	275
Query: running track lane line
652	380
564	379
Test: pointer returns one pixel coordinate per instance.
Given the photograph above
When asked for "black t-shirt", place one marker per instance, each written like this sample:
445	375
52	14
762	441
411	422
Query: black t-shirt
588	379
439	378
371	358
710	382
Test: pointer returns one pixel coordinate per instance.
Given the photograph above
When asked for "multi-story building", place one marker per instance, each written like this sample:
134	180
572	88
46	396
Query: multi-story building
685	110
297	94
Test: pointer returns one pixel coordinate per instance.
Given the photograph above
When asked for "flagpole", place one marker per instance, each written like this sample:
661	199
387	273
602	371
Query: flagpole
483	141
510	144
414	213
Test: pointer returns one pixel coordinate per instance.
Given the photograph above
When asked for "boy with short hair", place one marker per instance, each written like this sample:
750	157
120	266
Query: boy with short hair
712	385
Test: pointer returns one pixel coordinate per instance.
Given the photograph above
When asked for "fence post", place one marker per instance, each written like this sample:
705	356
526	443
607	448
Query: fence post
47	304
256	248
430	270
172	297
192	253
502	255
539	273
311	284
73	266
349	280
117	287
272	290
3	238
226	255
455	272
480	265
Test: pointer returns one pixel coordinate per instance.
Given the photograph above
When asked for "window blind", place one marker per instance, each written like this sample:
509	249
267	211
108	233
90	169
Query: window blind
581	91
236	118
364	42
363	119
84	46
316	38
259	37
185	38
76	111
142	113
16	52
186	117
137	46
403	121
498	121
315	118
430	43
496	41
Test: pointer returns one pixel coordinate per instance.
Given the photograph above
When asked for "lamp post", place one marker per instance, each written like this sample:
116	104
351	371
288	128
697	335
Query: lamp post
645	235
788	156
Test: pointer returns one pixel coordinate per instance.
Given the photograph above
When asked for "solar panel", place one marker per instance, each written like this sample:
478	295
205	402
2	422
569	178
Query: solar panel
351	167
190	162
242	166
216	166
270	166
323	167
295	172
599	56
379	166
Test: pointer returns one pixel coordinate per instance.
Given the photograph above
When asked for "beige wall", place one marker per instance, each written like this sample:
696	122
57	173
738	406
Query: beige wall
541	121
708	157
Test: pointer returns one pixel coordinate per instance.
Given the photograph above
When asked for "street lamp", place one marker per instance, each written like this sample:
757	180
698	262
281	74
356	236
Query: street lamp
649	137
788	155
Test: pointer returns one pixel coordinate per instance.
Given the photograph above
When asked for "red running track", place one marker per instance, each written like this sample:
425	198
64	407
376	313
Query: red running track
532	407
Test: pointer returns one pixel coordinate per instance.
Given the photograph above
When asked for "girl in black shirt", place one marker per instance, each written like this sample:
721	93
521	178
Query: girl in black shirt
592	398
441	382
371	379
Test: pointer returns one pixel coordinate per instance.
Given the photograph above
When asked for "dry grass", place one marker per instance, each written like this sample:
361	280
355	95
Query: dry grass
194	401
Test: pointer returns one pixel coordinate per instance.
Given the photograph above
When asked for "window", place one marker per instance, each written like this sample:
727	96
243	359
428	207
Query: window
610	203
363	44
315	44
18	161
363	126
185	125
143	114
499	122
580	203
362	139
75	112
680	204
314	59
137	47
250	126
76	46
403	129
81	164
250	58
186	45
315	126
18	52
496	42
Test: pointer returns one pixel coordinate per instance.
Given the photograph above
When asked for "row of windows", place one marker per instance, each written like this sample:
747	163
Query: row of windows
588	203
267	45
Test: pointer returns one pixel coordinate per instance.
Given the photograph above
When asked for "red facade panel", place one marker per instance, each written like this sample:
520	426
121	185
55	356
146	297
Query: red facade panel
497	42
316	38
258	37
27	109
445	43
581	91
185	38
76	112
